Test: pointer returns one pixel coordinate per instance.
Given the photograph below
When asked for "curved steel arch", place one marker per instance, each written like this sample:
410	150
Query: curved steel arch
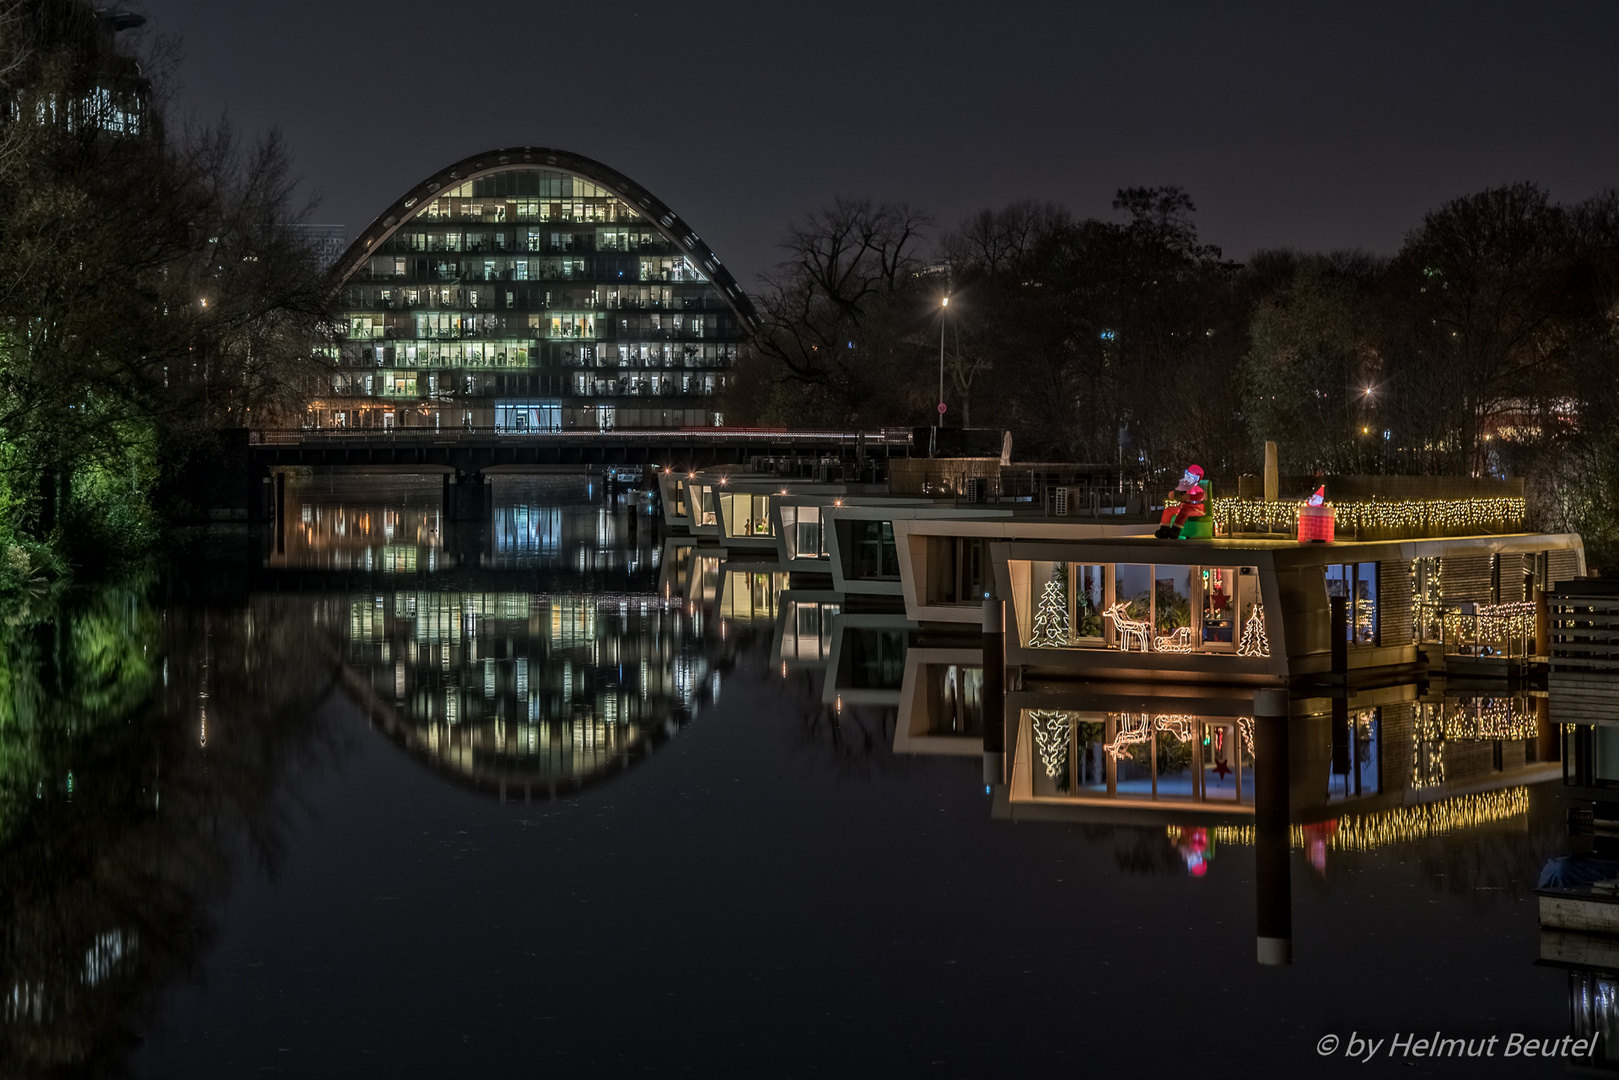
655	210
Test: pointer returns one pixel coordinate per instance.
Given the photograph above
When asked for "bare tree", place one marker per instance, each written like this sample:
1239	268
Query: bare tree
824	308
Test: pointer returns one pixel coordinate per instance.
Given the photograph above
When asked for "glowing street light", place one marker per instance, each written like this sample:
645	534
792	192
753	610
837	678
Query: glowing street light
944	304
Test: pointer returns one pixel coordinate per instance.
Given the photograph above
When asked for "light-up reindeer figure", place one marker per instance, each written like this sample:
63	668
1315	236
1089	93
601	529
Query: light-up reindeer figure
1129	629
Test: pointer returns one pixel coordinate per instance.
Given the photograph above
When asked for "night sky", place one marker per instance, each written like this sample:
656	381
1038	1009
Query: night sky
1311	126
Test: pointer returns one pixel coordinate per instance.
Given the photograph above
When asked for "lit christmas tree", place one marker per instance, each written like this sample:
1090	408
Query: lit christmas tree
1051	616
1254	640
1051	734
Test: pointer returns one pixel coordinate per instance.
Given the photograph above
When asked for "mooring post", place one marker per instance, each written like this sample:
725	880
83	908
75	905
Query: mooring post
1273	886
994	694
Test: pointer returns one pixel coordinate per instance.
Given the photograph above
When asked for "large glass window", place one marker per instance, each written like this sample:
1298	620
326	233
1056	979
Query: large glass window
877	658
1354	756
957	570
746	515
802	527
1357	583
1090	600
1172	605
1219	605
1427	599
1068	755
1138	756
875	555
1142	607
955	699
807	632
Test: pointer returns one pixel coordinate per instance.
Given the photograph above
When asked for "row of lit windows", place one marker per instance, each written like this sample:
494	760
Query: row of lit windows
516	354
645	268
593	207
556	325
411	384
527	239
650	299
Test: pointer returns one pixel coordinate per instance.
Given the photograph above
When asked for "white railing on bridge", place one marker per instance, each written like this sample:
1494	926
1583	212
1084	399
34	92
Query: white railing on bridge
452	436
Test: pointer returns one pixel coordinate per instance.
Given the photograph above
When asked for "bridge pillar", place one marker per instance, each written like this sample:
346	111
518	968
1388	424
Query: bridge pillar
468	496
260	495
281	512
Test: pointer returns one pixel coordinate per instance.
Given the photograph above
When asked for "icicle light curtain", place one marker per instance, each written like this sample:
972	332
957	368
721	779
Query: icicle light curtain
1376	519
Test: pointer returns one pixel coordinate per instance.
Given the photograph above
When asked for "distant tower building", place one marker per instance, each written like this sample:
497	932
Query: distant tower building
531	290
327	242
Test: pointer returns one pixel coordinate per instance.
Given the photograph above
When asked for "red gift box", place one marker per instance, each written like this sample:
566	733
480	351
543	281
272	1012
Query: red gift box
1316	524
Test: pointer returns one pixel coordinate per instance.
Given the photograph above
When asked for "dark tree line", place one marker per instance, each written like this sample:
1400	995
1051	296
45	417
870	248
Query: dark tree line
1488	345
151	291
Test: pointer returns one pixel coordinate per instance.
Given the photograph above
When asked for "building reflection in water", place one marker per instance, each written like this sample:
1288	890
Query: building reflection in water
1407	764
380	524
526	695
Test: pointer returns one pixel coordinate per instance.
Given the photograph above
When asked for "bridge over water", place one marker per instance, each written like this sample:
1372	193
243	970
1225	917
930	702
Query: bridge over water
467	458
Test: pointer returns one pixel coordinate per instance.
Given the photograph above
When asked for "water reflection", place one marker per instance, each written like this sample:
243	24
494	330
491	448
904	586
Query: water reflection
139	744
547	652
523	694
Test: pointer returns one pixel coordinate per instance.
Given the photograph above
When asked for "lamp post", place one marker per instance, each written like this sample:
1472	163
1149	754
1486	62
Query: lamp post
938	422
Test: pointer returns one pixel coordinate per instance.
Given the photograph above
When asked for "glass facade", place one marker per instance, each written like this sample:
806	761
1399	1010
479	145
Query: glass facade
525	301
805	538
1141	607
1139	756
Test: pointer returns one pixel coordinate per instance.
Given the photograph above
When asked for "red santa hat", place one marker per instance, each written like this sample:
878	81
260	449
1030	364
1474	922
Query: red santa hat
1195	470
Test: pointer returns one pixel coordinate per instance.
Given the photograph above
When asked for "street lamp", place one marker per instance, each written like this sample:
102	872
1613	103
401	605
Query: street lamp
939	421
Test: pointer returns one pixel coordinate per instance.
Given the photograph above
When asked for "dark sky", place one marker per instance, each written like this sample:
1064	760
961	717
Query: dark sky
1313	126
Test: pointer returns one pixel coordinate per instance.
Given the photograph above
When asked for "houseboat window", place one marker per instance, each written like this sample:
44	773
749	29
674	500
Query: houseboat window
1354	756
803	528
1138	756
747	515
1172	605
1357	582
1132	587
1090	600
704	498
751	596
807	631
874	553
1069	754
956	697
1427	599
1219	605
1141	607
877	658
955	570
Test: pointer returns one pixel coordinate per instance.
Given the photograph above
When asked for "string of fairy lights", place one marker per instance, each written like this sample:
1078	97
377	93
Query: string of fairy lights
1053	727
1390	519
1493	622
1399	825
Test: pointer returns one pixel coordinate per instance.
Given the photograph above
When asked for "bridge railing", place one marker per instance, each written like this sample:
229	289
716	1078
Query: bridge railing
889	438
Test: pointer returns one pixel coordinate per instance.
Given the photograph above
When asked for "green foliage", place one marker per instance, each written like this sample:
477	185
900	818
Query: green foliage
1310	361
109	511
70	665
1174	610
151	293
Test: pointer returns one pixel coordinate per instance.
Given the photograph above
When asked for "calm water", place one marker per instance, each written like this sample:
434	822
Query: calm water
397	800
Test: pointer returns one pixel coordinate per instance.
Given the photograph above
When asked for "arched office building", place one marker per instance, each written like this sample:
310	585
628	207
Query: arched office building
531	290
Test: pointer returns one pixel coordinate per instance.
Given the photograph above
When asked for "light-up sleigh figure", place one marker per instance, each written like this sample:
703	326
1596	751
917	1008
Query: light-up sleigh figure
1179	640
1129	629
